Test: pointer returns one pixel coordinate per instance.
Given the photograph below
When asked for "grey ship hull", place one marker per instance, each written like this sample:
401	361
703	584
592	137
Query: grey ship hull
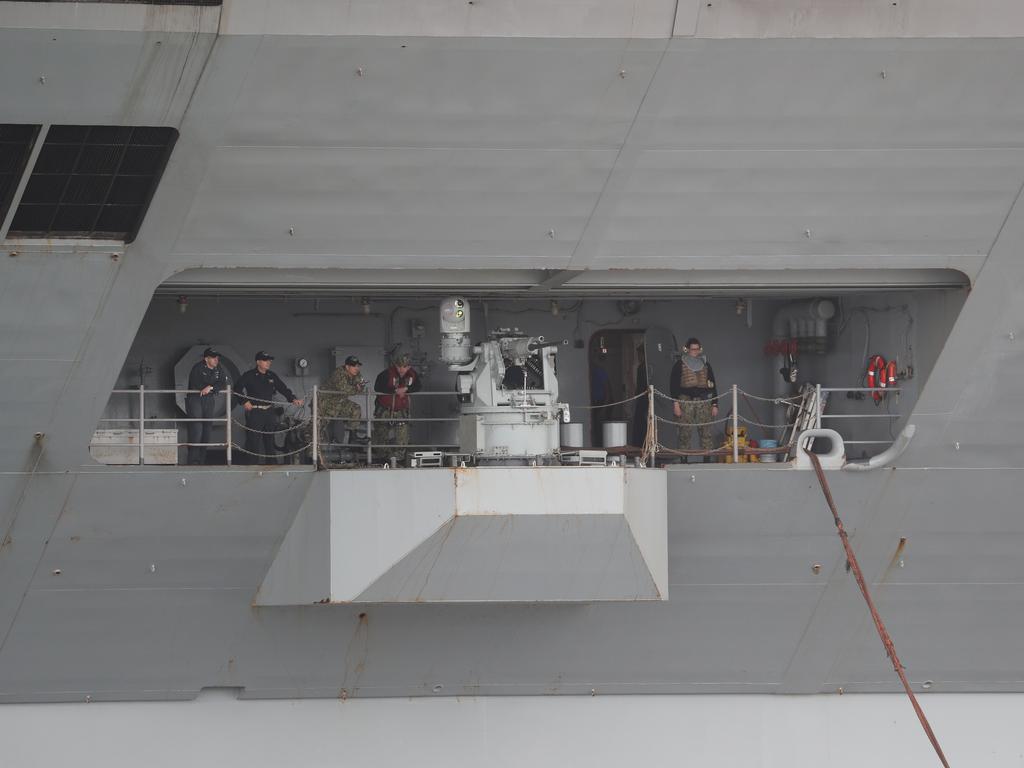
682	155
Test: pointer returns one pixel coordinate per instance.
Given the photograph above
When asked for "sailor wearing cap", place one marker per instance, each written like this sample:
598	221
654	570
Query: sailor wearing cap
255	389
205	381
347	380
391	409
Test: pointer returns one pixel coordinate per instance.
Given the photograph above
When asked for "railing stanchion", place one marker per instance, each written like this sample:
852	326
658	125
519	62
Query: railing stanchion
735	426
652	426
369	431
227	425
142	424
817	406
316	428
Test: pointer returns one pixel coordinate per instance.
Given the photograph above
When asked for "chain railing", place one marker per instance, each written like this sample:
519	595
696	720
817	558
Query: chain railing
297	442
311	435
361	445
141	420
802	412
232	426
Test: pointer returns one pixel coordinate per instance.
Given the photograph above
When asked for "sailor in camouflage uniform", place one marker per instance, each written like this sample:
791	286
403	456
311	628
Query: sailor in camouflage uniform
692	384
335	404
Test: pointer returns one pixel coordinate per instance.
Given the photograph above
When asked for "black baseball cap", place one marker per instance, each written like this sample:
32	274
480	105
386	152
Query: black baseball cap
353	360
210	352
261	355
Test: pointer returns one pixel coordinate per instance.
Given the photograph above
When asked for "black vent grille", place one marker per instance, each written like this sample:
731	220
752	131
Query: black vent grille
93	181
134	2
15	147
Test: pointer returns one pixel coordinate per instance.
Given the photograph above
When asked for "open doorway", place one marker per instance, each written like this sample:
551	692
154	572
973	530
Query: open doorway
623	362
618	371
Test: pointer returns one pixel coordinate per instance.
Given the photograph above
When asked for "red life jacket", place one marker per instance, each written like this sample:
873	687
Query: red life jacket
395	380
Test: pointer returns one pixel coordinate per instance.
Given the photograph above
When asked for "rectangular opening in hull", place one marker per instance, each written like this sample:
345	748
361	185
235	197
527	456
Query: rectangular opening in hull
766	350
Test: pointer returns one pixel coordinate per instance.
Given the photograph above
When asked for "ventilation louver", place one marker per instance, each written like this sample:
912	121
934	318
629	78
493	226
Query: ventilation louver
135	2
15	148
93	182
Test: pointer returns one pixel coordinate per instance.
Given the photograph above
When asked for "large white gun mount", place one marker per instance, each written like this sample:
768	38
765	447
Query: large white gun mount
507	389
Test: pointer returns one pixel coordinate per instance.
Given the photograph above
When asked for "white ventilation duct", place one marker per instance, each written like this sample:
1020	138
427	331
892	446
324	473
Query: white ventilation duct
806	321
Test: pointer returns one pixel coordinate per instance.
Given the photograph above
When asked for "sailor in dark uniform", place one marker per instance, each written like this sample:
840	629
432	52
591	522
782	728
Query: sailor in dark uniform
255	390
207	379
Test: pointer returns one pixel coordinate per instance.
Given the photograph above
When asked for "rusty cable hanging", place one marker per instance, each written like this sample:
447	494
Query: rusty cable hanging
890	647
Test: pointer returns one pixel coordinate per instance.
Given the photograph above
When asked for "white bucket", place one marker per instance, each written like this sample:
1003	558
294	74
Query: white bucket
614	434
572	435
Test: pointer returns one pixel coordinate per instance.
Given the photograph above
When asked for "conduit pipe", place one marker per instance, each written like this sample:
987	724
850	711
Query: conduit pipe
888	456
802	320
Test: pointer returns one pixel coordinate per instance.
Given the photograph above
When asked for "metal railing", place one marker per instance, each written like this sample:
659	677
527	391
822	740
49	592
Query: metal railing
321	448
232	426
316	446
867	390
803	411
141	420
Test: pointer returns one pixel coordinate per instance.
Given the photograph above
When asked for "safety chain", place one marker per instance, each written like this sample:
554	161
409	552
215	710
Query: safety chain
745	420
748	451
776	400
713	399
274	431
607	405
301	449
251	399
677	423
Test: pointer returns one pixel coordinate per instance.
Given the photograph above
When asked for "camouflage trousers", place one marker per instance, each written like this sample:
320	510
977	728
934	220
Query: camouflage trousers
695	412
390	432
343	410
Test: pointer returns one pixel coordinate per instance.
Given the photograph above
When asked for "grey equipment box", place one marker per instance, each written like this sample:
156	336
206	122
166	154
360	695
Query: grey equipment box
585	458
121	446
427	459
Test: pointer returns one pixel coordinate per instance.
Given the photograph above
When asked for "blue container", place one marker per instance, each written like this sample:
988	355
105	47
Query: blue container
768	457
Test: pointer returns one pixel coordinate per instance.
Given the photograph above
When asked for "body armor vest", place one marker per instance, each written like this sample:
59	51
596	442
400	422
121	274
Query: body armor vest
694	378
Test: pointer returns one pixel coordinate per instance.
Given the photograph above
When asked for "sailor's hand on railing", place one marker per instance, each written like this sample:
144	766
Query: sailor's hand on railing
205	390
247	406
677	409
298	401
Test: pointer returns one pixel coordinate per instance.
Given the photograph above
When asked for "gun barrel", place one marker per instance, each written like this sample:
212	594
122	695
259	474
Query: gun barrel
541	344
